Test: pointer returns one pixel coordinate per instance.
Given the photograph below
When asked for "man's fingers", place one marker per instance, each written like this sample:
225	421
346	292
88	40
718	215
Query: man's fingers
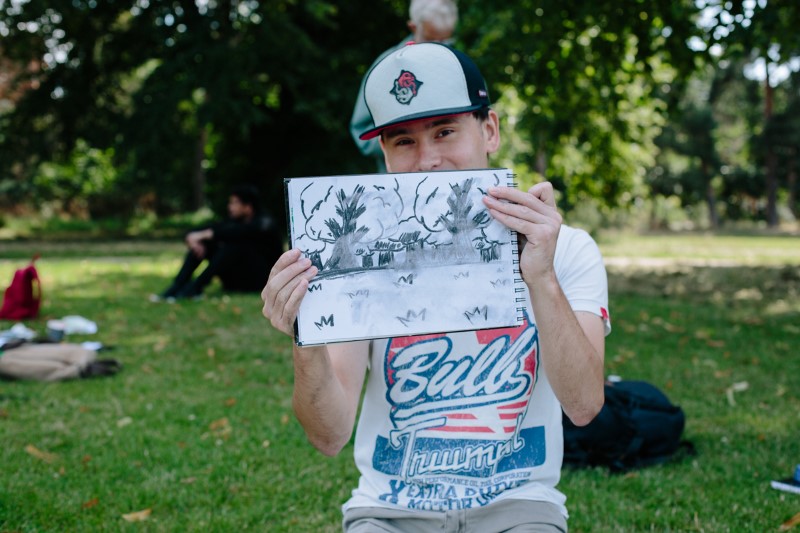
287	304
523	198
289	265
286	259
532	210
523	218
293	302
544	191
293	275
287	285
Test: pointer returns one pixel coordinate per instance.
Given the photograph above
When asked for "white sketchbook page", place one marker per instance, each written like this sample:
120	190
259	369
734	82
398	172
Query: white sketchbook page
402	254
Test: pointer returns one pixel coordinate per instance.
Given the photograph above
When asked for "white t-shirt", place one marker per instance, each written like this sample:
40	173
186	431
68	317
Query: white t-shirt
459	420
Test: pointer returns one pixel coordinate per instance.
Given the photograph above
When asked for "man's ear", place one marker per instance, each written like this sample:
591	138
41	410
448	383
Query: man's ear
491	132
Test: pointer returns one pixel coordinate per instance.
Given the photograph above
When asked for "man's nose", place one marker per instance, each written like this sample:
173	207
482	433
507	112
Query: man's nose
429	157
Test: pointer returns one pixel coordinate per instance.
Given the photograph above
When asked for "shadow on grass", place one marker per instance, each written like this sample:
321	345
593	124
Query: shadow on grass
709	283
67	248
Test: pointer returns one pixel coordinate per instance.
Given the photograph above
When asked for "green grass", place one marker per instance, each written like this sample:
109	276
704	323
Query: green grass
751	249
198	427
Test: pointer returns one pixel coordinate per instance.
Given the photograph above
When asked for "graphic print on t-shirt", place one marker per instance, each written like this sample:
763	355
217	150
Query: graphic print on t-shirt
457	411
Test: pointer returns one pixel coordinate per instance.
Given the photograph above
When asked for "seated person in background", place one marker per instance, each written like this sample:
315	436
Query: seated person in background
240	250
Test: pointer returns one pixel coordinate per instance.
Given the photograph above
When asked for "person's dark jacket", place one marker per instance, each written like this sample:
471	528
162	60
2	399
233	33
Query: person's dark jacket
249	250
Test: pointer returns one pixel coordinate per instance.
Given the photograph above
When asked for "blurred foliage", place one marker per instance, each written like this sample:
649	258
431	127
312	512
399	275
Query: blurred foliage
127	107
87	178
587	74
254	80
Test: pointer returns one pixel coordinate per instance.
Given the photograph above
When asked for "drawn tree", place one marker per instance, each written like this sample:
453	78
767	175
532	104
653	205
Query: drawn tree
346	233
488	248
410	243
368	260
386	251
457	220
316	260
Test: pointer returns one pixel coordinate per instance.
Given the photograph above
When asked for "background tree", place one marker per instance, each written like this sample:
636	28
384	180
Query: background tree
183	98
193	96
704	142
586	72
764	31
782	135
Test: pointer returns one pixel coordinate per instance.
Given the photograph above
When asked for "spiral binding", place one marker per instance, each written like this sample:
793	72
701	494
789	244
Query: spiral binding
515	261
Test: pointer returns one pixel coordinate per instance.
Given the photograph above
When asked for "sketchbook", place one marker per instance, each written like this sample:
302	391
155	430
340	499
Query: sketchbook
403	254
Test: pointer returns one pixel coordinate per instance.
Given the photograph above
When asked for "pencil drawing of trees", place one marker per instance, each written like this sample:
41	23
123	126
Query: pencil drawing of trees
488	248
457	220
360	226
410	243
346	234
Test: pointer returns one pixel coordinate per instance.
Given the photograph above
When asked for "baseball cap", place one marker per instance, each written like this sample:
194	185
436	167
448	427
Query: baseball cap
420	81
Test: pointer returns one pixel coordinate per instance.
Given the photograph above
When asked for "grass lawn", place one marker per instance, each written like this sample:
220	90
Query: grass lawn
197	432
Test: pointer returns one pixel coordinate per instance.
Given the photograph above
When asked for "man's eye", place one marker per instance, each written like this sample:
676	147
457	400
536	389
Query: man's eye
403	142
445	132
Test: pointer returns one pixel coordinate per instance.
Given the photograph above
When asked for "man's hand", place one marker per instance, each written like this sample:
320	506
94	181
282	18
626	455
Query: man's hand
194	241
285	289
572	345
533	215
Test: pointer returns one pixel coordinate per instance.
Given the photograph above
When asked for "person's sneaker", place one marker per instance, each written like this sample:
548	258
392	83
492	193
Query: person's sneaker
100	368
156	298
189	292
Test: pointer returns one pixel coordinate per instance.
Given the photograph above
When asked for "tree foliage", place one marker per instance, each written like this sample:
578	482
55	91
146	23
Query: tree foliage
765	32
584	72
184	98
249	89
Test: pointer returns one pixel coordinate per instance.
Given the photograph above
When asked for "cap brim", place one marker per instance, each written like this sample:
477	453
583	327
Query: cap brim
374	132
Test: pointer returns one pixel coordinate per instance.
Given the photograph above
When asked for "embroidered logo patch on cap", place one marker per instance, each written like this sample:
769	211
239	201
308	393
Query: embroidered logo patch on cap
405	87
395	93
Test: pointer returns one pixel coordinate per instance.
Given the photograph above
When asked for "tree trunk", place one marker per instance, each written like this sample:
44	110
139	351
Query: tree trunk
198	172
541	157
771	160
792	183
772	188
711	196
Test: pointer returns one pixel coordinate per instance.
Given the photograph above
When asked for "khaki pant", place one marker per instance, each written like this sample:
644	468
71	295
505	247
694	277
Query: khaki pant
45	362
517	516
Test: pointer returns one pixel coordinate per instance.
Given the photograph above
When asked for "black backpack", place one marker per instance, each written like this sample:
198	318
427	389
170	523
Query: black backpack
638	426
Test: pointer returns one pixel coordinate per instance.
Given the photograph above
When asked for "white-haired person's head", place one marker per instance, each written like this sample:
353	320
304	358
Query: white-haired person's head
432	20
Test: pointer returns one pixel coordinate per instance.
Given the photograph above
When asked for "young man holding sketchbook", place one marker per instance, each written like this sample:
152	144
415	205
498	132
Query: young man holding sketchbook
457	431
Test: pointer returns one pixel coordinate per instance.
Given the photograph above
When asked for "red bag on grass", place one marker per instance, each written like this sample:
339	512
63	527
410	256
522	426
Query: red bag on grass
23	297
